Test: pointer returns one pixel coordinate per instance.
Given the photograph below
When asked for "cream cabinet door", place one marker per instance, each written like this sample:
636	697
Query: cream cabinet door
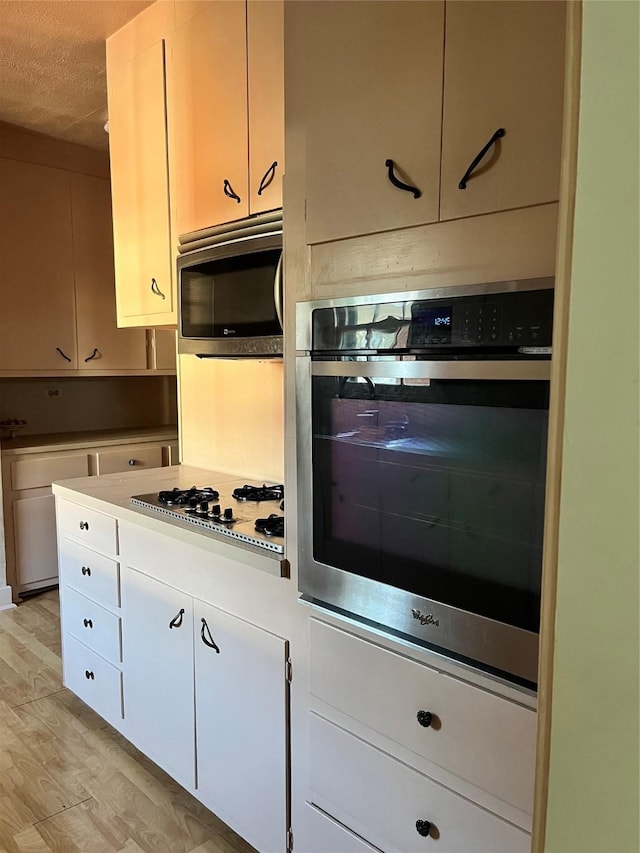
140	190
34	528
37	305
157	654
208	108
241	724
101	344
372	78
504	70
265	69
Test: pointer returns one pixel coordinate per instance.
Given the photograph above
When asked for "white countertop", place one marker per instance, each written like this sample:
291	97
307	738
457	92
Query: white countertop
111	494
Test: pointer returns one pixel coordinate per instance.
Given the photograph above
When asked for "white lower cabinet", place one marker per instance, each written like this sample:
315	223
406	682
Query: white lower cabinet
206	697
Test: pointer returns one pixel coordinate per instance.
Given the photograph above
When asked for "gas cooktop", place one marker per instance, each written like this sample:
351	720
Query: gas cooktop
243	514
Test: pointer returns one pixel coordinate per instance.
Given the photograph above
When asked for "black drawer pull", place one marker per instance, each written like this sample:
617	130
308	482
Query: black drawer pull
176	622
500	132
398	183
87	623
208	642
63	354
89	675
423	827
229	191
268	176
86	571
84	525
132	462
425	718
155	289
92	356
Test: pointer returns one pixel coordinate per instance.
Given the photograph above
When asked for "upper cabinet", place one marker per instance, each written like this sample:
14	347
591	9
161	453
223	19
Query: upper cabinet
503	74
411	113
372	76
140	188
226	111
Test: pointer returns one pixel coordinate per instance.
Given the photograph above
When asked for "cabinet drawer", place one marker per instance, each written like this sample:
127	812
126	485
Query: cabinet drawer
91	624
322	833
480	737
381	800
93	574
95	681
115	461
88	526
37	472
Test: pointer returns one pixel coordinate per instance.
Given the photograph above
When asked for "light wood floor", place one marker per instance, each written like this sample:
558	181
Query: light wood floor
69	783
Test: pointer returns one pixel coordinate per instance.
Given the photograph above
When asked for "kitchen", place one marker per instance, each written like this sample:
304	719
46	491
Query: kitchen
561	750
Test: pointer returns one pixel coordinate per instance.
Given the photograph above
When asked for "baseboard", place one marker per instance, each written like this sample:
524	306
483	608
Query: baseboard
5	598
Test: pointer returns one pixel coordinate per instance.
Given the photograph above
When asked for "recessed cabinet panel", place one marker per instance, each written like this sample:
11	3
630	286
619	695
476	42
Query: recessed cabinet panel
209	117
37	304
101	344
140	190
128	459
241	715
504	66
373	93
34	522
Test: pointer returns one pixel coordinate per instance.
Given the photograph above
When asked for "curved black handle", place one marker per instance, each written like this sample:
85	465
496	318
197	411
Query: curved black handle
500	132
63	354
86	571
92	356
268	176
425	718
370	386
397	183
84	525
87	623
228	191
176	622
423	827
89	675
155	289
210	642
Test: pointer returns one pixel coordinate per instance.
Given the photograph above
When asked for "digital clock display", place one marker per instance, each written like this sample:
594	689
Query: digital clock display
431	324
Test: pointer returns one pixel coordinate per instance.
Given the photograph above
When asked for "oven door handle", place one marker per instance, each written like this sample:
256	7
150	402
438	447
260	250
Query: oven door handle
277	290
428	370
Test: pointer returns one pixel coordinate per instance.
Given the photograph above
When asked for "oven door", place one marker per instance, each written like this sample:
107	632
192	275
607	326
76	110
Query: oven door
422	499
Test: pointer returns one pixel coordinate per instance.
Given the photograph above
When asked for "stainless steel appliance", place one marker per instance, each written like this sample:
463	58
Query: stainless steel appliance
241	512
230	290
422	429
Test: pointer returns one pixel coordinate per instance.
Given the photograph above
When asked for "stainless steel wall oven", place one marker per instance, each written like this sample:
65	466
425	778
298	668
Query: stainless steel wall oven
422	434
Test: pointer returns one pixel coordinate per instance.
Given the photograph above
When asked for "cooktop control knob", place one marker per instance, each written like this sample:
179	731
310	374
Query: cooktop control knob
204	506
215	510
228	514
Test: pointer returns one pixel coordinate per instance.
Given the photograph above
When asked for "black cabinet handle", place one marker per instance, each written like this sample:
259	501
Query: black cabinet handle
89	675
176	622
268	176
63	354
86	571
500	132
87	623
423	827
92	356
424	718
210	642
228	191
398	183
155	289
132	462
84	525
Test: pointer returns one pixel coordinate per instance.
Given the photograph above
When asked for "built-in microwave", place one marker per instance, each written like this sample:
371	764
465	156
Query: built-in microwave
230	290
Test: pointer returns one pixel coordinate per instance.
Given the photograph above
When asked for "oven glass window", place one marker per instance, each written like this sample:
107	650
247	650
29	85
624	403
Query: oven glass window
230	297
437	489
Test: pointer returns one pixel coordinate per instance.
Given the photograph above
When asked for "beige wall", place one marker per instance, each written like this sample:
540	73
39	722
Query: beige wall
593	804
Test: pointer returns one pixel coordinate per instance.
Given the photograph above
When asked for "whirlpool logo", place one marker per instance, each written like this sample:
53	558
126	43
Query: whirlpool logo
425	618
228	331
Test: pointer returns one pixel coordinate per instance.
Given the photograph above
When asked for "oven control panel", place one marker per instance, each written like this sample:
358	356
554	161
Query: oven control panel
522	318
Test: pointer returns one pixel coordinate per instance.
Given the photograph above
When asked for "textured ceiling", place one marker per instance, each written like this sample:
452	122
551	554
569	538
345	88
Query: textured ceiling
52	64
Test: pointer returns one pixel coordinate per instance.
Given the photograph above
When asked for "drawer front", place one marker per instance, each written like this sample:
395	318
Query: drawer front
36	472
322	833
95	681
131	459
383	800
91	573
88	526
480	737
91	624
